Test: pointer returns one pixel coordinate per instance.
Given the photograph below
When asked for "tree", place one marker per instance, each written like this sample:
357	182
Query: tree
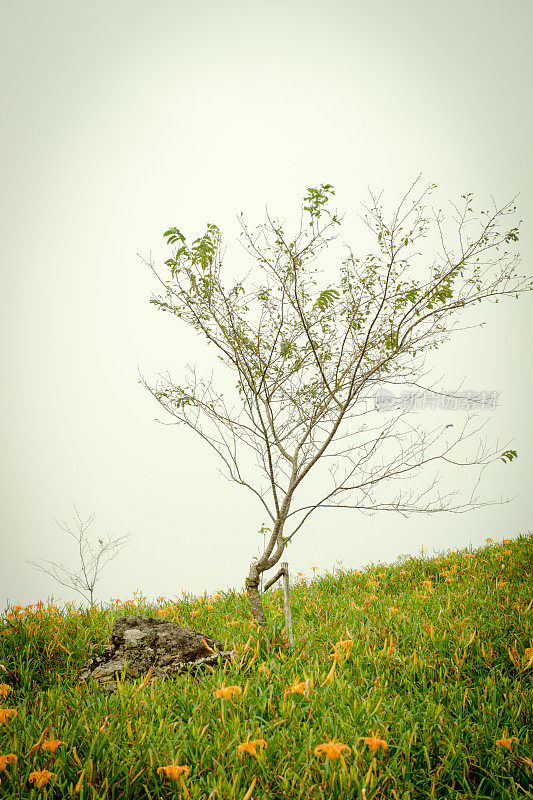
306	355
84	583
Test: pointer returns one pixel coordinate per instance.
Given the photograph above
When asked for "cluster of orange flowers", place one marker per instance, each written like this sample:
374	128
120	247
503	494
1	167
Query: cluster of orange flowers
332	749
22	610
40	777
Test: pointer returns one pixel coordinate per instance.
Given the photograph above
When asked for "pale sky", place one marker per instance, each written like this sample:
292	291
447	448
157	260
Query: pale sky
122	119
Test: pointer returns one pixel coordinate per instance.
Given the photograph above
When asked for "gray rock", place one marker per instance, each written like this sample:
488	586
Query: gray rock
139	643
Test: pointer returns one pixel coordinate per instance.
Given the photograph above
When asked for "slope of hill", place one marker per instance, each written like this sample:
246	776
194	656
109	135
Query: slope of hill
407	682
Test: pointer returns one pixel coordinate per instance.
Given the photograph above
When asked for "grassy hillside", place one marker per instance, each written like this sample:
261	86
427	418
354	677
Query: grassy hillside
406	681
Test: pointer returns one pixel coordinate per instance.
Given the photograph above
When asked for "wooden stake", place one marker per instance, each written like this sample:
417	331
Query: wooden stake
287	600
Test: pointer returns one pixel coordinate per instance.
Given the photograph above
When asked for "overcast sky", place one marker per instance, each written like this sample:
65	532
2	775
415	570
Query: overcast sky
121	119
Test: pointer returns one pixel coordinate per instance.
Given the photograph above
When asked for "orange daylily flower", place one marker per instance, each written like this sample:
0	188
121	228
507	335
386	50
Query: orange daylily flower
249	747
394	610
39	741
336	657
333	750
227	691
345	643
6	713
506	742
7	759
529	653
263	668
52	745
373	743
502	584
301	688
4	689
41	777
174	771
372	584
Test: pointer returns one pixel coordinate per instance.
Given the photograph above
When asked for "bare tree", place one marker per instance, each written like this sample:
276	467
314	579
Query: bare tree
305	357
85	581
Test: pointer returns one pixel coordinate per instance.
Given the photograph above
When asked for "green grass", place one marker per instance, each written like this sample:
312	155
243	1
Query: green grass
441	673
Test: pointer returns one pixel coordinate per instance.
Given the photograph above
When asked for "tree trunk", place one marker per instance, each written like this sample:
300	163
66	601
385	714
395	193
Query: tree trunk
267	561
254	596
